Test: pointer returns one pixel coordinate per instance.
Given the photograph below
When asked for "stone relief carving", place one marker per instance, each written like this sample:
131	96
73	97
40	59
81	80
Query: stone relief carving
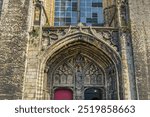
107	35
93	75
122	5
78	72
79	79
111	84
34	37
52	35
63	75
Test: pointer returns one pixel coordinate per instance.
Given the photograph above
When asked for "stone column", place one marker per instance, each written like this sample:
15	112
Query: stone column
124	58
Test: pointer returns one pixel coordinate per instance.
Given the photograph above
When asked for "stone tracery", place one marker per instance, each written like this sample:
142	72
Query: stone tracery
79	60
78	72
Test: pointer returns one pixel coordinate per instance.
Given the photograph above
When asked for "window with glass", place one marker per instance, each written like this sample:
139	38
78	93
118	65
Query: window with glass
89	12
66	10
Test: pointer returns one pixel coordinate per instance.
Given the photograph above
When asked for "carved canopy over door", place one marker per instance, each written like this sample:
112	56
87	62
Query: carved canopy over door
77	73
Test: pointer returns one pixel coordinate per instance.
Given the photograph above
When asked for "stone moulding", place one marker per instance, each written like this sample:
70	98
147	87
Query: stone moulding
61	39
51	35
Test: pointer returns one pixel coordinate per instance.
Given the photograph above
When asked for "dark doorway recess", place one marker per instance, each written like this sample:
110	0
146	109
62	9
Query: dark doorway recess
93	94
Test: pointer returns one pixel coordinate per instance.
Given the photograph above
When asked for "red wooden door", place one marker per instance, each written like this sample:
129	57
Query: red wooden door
63	94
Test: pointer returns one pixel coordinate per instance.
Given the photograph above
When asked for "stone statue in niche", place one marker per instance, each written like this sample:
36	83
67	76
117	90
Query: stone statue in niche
45	43
79	60
78	79
37	15
79	83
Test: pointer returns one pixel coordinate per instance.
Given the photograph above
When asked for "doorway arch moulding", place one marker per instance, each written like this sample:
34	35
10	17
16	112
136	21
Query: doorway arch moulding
98	43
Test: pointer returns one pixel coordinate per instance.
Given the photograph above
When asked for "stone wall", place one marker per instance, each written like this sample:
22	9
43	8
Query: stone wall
32	64
140	27
13	42
1	2
19	62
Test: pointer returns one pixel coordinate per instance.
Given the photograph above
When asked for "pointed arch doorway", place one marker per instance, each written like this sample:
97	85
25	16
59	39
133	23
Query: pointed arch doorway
77	73
79	67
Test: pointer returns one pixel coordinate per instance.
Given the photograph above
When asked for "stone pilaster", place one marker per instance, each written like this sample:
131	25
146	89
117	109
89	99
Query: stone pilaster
129	83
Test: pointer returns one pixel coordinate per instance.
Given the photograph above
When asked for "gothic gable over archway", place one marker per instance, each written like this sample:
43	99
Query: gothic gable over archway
106	36
96	48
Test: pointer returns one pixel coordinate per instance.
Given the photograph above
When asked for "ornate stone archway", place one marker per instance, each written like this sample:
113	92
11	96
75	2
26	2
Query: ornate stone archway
77	72
78	61
78	69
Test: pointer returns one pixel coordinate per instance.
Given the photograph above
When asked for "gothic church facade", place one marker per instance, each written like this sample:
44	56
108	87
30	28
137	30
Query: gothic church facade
75	49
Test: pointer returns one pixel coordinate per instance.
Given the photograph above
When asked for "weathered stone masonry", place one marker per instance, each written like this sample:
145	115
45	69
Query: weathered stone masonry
140	26
13	43
26	54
